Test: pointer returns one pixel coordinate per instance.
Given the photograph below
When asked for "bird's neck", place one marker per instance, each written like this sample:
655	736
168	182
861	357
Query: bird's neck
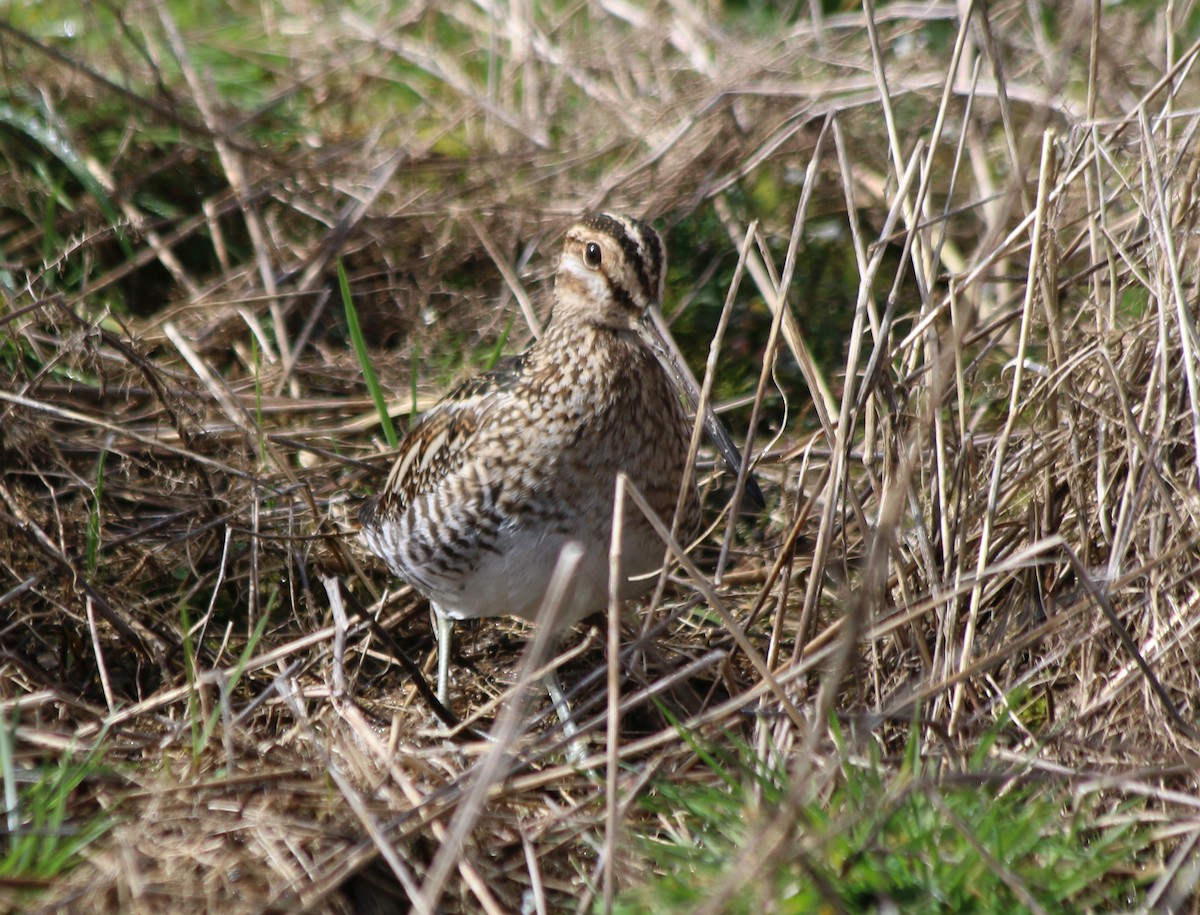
570	328
591	362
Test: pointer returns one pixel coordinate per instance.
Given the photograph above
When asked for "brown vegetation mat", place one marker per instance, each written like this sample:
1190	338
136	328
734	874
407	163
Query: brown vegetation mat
991	502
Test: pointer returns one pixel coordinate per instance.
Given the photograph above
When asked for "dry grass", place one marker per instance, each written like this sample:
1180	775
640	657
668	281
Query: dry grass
991	505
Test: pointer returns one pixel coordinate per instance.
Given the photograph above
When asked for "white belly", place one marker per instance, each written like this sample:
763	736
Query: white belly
514	580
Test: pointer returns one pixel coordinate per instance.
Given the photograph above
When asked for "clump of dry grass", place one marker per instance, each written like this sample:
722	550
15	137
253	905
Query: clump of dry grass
990	506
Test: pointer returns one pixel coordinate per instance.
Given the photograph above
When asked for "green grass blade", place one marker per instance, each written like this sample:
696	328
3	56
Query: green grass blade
413	411
45	135
8	773
93	521
239	668
364	359
498	350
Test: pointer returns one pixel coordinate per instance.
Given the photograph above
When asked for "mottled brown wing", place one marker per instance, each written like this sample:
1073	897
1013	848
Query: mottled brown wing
440	442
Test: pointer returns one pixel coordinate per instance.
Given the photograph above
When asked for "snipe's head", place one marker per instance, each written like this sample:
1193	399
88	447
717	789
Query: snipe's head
612	272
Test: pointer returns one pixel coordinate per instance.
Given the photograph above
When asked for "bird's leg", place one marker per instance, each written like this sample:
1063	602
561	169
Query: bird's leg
559	699
444	627
577	747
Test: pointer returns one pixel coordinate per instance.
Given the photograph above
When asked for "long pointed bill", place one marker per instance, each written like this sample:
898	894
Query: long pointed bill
658	336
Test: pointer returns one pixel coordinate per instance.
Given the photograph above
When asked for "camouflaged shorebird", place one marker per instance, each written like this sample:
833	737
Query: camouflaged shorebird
521	460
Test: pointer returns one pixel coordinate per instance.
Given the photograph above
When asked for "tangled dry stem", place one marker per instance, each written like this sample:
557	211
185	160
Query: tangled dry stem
991	504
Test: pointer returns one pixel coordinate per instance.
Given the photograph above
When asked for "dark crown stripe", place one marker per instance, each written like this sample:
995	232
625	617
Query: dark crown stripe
635	254
638	242
649	249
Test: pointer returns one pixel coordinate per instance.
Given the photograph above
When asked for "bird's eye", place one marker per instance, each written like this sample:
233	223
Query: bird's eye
591	255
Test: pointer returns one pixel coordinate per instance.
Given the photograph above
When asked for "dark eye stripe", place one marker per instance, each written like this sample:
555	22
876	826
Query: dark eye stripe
638	253
621	295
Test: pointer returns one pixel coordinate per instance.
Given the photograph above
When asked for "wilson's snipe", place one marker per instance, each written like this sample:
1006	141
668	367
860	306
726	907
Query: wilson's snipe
519	461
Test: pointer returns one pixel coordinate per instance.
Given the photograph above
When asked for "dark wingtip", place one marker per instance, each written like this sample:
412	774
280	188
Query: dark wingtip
754	494
368	512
